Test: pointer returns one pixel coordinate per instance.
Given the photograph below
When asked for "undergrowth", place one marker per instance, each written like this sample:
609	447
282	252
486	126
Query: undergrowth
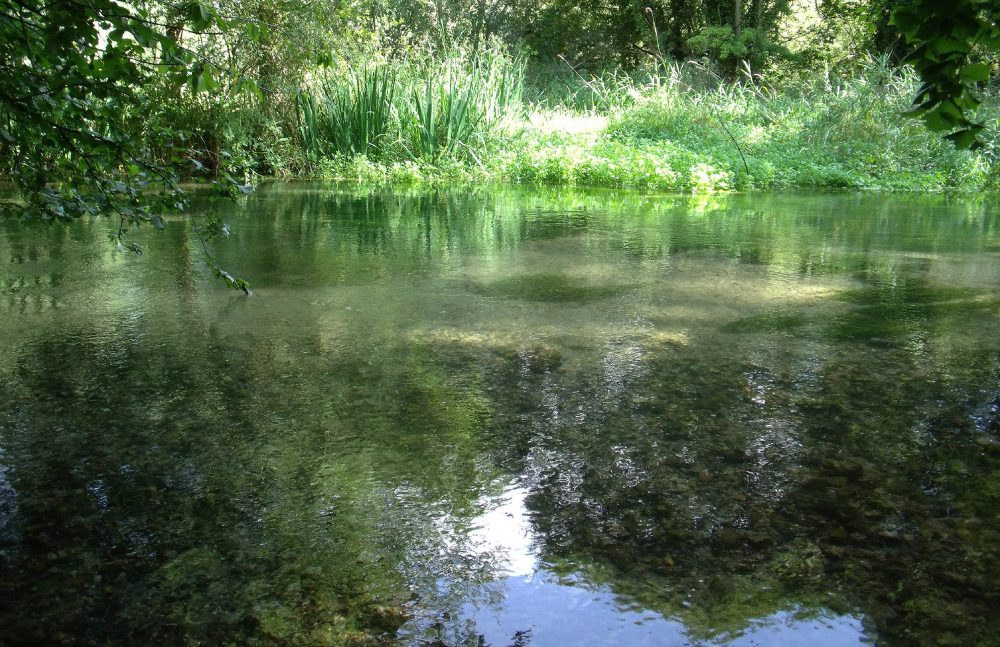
433	111
679	129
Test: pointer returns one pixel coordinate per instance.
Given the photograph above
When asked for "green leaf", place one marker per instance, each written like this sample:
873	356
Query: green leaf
949	46
975	72
206	82
199	15
934	121
143	34
964	138
950	111
906	20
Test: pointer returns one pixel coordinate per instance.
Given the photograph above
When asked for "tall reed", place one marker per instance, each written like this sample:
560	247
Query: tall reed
462	100
350	116
308	119
447	116
447	105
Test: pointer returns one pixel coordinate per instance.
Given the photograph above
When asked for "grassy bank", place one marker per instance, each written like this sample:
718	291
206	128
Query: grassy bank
679	129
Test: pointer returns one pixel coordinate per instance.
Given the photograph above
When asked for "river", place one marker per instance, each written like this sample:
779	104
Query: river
506	417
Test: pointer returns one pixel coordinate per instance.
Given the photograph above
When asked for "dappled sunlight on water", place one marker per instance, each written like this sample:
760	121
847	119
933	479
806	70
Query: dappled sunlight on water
453	418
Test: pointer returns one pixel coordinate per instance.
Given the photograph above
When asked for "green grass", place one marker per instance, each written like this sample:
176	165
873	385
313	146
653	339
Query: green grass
679	130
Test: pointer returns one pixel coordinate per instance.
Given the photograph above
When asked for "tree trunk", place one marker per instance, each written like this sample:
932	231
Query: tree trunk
480	26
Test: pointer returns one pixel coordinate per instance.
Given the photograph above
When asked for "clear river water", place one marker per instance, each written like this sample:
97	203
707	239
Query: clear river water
506	417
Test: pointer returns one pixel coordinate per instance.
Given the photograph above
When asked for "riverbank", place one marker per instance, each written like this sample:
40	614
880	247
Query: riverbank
684	131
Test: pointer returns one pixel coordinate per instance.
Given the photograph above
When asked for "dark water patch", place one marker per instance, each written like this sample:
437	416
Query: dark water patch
555	288
882	323
908	295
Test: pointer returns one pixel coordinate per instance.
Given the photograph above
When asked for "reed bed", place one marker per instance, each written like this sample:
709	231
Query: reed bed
410	110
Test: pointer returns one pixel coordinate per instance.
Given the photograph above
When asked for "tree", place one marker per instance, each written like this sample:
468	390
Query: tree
73	138
734	32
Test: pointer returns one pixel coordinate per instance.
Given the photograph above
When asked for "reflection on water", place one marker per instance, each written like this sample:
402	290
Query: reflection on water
504	530
533	605
453	418
544	610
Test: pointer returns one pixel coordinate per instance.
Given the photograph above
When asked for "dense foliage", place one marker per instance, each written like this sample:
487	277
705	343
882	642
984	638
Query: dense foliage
943	55
106	108
76	77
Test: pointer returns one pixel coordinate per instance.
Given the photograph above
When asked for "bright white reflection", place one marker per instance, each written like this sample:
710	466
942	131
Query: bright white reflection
504	532
543	610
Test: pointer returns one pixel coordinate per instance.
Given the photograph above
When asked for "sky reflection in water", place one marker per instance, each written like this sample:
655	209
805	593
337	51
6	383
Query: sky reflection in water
540	608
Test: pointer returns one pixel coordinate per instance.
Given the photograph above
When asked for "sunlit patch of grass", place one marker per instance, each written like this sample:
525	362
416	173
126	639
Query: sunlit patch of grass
566	123
676	131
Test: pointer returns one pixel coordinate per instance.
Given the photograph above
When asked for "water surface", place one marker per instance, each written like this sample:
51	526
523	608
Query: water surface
506	418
